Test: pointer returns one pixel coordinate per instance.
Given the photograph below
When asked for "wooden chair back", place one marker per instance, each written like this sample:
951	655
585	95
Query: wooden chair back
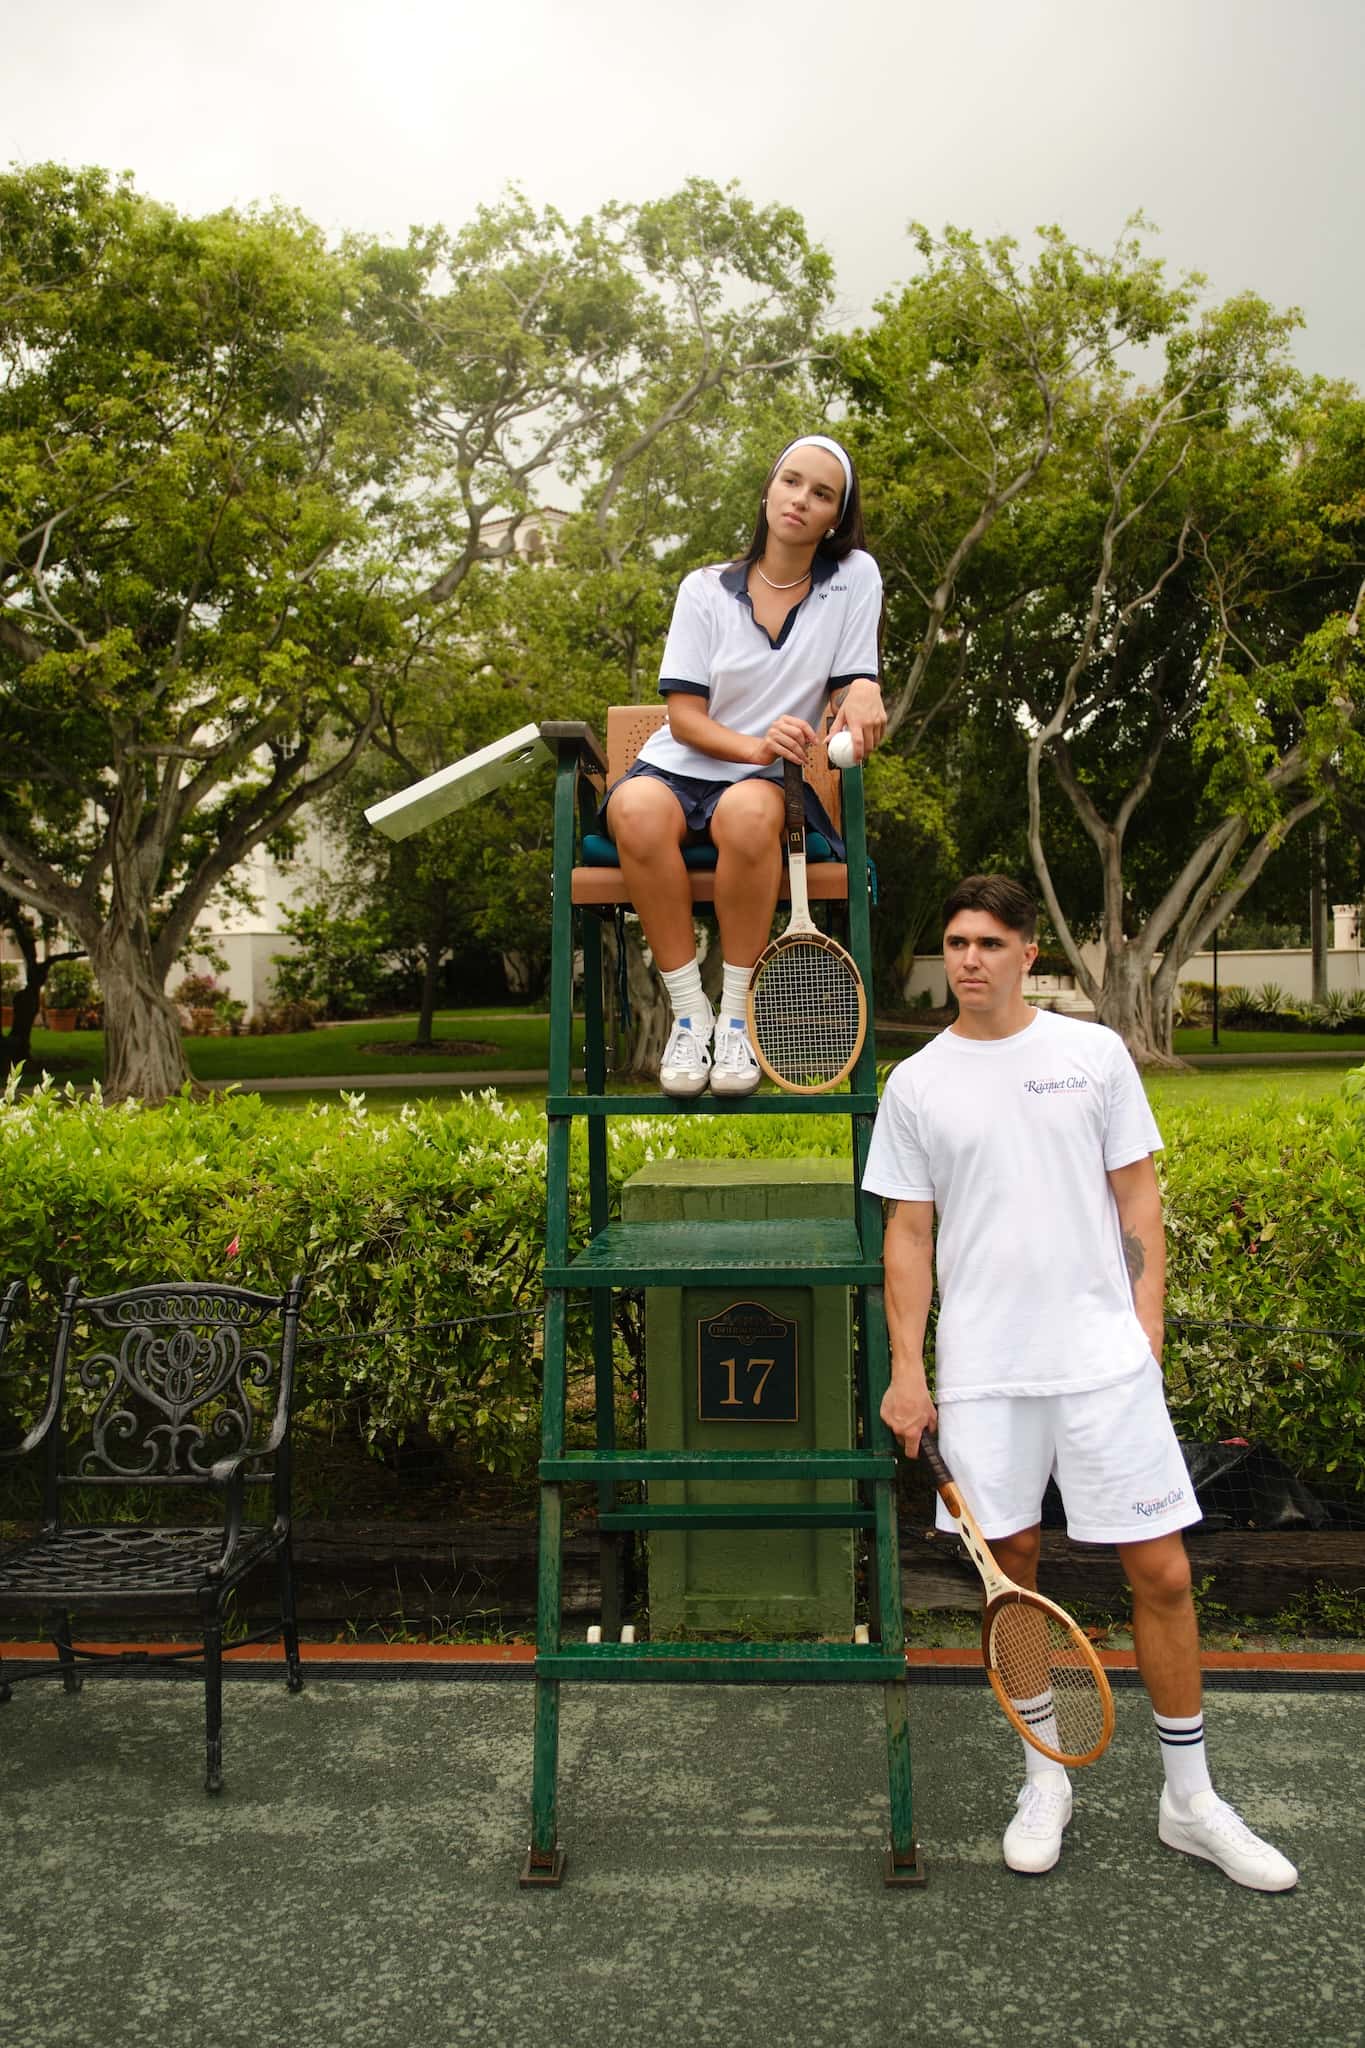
630	725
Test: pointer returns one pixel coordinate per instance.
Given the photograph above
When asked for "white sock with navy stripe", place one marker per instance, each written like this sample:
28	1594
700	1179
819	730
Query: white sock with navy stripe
1040	1714
1183	1756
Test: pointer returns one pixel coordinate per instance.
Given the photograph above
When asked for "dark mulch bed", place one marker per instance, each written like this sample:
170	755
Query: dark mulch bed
404	1048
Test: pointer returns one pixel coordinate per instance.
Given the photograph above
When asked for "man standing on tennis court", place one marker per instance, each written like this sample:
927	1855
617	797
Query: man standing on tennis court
1031	1137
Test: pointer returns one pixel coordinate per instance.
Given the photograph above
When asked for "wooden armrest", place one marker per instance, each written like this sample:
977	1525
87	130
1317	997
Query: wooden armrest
573	732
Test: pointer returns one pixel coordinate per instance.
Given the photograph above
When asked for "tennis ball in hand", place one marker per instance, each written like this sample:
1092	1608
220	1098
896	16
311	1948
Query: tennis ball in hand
841	750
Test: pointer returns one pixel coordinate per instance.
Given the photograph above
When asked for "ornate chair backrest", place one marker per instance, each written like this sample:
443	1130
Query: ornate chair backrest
12	1374
163	1384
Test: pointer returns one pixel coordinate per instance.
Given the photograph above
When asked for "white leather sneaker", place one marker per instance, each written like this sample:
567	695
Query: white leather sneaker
1033	1839
1212	1830
686	1065
734	1069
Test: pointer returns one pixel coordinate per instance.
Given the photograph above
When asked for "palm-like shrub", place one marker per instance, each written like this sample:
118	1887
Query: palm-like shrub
1333	1011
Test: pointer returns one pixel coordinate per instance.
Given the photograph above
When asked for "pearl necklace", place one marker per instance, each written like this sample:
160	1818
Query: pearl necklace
780	586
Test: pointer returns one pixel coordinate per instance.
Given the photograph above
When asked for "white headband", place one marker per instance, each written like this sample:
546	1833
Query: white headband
821	441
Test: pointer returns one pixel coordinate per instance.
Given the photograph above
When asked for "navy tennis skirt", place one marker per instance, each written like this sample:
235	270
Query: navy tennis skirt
699	797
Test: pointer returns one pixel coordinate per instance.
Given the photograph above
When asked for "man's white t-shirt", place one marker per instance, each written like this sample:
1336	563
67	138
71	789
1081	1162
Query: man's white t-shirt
1011	1139
716	649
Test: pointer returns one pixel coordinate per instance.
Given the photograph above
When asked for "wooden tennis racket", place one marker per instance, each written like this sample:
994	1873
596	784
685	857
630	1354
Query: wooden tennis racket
1042	1668
807	1012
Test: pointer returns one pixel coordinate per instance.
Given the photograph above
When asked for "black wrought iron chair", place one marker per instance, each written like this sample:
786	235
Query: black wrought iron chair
175	1388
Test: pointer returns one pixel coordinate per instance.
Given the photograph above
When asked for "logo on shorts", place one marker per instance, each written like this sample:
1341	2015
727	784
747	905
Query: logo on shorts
1070	1084
1148	1508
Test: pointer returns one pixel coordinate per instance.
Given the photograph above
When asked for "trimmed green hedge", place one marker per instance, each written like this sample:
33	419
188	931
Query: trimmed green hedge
437	1213
1266	1224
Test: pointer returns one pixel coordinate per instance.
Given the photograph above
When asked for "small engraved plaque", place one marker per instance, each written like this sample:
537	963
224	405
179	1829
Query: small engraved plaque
746	1365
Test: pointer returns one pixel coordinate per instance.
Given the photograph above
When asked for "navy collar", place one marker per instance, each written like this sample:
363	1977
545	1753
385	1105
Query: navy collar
735	579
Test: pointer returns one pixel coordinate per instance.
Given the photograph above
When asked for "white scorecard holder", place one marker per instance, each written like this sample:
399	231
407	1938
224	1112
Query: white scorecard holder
450	789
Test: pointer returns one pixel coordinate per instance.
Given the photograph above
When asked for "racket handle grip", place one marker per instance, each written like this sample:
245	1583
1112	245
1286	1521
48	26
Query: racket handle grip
929	1451
942	1477
793	791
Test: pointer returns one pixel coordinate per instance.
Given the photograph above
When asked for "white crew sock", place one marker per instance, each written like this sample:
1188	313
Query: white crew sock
687	995
734	995
1183	1756
1040	1712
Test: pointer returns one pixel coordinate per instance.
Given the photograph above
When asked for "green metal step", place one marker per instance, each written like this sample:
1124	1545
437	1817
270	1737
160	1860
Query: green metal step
762	1104
719	1465
720	1515
724	1663
819	1252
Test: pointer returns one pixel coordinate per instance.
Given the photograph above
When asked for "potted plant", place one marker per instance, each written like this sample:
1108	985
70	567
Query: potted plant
68	989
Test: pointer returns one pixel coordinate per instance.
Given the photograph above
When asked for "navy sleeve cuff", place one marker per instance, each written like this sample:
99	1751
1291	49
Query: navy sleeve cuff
859	675
670	683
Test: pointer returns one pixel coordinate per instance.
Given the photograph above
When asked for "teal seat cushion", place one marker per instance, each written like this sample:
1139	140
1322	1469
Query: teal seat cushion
600	852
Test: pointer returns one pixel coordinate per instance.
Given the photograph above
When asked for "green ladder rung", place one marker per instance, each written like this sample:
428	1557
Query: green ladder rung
719	1515
817	1252
724	1663
711	1105
622	1465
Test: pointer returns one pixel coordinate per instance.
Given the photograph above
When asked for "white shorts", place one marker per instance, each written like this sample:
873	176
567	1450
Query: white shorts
1112	1452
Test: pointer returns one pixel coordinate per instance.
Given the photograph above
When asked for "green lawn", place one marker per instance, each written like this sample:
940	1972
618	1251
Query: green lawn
520	1043
519	1040
1240	1087
1350	1044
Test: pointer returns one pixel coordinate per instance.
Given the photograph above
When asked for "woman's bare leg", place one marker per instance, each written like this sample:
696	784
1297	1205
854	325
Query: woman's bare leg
646	821
746	827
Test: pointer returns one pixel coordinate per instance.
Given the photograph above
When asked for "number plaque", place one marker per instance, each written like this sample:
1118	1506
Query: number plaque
746	1365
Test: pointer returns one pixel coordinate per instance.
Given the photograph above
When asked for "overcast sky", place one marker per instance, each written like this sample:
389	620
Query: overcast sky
1234	124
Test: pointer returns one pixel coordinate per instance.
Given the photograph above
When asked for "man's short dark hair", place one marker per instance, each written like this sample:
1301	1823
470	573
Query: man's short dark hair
999	897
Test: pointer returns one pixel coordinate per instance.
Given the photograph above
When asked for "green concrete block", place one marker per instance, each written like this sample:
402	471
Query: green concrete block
798	1581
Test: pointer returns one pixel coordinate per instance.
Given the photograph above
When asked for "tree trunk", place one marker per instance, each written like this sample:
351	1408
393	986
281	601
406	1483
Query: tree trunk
16	1044
426	1022
1317	910
1126	1005
143	1053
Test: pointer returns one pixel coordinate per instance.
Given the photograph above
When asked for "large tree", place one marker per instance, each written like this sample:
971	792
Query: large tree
1196	692
192	616
1120	540
247	482
964	395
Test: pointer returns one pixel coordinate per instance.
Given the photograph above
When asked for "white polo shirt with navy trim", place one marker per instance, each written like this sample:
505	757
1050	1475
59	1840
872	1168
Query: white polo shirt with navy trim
717	649
1013	1140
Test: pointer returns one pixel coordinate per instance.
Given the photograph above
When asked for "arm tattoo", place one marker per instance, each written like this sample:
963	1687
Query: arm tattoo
1136	1256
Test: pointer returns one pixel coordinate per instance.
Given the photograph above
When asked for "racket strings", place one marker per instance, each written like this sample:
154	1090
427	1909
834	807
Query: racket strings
807	1013
1045	1662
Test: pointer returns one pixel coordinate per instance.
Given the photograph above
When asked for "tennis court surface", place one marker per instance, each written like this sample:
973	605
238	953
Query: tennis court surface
356	1883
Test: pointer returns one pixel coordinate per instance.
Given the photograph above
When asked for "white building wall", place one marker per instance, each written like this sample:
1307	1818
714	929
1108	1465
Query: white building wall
249	939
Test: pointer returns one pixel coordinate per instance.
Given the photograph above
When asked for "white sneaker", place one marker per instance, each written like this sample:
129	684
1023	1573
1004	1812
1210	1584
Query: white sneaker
734	1069
1033	1839
1212	1830
686	1064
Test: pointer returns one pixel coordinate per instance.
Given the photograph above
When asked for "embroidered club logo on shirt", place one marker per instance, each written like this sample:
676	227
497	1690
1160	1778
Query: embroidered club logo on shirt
1068	1084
